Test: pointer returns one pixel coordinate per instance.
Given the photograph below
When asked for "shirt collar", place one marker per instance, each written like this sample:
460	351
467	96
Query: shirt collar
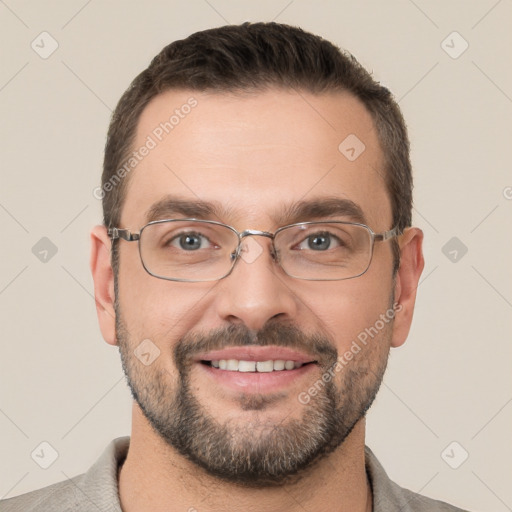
100	483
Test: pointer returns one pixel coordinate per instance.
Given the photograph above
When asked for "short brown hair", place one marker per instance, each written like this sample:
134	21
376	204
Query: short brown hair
253	57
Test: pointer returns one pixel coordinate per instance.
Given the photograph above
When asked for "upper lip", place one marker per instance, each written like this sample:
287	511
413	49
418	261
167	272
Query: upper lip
255	353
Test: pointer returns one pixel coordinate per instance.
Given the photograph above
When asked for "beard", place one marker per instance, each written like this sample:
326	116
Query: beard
261	452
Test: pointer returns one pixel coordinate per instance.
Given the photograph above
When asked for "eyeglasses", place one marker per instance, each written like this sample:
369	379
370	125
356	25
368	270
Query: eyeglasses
191	250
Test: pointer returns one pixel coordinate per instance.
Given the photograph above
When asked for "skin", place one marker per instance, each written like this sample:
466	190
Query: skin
251	153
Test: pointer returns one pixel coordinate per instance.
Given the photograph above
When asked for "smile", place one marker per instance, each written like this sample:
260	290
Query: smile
236	365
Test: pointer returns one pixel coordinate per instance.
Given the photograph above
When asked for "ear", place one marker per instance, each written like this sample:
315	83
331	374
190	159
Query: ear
103	277
406	282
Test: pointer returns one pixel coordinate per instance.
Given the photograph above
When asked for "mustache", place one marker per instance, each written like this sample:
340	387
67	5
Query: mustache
318	346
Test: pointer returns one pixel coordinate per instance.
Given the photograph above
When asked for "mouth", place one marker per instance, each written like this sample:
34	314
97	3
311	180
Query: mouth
256	359
256	369
244	366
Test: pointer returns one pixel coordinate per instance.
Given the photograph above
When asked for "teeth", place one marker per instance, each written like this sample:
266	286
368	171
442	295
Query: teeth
246	366
289	365
232	365
265	366
279	364
255	366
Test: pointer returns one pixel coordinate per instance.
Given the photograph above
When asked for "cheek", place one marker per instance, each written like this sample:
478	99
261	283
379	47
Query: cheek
157	309
347	309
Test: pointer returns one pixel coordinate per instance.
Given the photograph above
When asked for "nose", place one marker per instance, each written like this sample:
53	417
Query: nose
257	290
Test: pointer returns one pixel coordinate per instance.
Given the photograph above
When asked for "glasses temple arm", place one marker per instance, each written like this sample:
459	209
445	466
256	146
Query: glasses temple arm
381	237
125	234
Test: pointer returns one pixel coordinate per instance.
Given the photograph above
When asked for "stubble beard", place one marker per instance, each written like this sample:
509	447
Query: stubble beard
261	453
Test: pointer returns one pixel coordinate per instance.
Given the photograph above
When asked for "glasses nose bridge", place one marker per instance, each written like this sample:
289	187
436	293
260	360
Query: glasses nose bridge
256	232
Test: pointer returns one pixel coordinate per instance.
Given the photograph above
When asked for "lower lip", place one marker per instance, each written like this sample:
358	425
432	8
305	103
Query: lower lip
258	382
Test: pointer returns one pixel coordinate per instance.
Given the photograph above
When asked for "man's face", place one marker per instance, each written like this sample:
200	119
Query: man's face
254	158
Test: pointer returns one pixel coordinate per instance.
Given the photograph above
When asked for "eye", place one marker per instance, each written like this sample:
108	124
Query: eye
320	242
190	241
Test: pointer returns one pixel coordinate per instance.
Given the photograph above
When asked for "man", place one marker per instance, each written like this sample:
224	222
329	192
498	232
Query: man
255	266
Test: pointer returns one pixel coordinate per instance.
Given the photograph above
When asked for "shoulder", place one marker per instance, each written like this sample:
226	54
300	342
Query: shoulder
94	490
60	497
390	497
414	502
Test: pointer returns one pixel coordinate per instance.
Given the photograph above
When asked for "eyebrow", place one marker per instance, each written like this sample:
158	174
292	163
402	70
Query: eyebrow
172	206
322	208
318	208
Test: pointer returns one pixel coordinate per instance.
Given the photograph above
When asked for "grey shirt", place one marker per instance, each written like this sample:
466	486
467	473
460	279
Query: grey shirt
96	490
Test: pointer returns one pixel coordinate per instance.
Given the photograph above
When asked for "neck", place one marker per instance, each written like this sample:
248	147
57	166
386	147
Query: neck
156	477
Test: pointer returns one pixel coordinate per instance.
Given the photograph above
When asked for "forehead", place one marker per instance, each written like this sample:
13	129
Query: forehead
257	155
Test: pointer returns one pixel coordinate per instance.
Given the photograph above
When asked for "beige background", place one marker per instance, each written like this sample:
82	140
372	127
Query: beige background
60	382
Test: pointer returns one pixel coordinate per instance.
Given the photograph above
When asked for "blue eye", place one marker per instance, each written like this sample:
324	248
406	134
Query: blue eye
190	241
319	242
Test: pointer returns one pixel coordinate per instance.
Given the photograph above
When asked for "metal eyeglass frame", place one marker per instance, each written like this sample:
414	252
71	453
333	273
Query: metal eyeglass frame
128	236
